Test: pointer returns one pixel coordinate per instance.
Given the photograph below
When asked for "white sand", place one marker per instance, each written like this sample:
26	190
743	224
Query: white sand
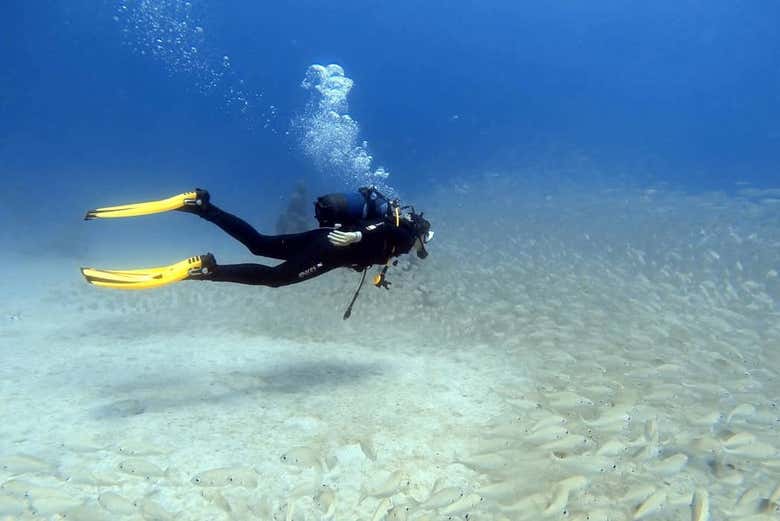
602	356
227	401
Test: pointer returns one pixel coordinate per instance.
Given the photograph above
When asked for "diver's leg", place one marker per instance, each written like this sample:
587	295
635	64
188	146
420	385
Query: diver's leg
281	247
286	273
317	258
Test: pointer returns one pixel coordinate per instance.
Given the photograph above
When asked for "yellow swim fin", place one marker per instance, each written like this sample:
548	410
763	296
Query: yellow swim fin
186	200
192	268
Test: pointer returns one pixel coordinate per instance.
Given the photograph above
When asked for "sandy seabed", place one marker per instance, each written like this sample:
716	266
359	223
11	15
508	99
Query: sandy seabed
607	356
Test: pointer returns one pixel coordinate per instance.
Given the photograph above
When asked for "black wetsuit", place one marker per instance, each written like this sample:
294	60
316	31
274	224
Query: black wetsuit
308	254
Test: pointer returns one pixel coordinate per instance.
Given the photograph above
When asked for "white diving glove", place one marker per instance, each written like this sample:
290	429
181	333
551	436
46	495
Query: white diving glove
338	238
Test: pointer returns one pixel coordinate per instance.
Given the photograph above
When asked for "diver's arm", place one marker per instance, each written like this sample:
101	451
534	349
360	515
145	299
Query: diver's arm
339	238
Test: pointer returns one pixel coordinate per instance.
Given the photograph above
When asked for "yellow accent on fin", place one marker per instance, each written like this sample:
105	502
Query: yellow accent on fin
143	278
136	209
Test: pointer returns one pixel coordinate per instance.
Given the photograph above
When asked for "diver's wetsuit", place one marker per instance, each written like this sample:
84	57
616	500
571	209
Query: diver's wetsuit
306	254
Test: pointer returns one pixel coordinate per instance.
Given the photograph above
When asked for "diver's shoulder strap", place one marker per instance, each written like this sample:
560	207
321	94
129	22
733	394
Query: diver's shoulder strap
393	219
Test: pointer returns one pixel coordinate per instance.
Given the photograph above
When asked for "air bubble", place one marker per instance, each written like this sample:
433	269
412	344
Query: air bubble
168	31
329	136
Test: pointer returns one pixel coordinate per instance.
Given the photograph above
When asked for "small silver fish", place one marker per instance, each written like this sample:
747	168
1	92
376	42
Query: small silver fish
237	476
700	506
116	504
304	457
142	468
394	483
24	464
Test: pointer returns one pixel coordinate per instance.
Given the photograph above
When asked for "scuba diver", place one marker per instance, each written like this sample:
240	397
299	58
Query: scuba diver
357	230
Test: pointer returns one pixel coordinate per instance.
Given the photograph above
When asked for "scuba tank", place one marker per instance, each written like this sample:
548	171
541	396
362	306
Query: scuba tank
349	209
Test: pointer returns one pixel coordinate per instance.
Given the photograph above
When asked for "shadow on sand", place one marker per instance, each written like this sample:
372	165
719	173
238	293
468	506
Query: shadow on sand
305	377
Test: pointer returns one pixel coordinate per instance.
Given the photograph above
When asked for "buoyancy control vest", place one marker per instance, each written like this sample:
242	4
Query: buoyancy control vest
352	208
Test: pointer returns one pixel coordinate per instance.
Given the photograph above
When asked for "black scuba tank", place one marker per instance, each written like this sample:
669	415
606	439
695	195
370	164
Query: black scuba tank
350	208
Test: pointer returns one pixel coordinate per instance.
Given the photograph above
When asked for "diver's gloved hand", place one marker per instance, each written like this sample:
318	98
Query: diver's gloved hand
339	238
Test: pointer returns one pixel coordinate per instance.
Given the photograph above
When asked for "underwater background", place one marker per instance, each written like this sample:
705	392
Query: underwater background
594	335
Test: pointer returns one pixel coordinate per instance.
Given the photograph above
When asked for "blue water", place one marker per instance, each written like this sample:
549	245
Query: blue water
680	92
603	178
